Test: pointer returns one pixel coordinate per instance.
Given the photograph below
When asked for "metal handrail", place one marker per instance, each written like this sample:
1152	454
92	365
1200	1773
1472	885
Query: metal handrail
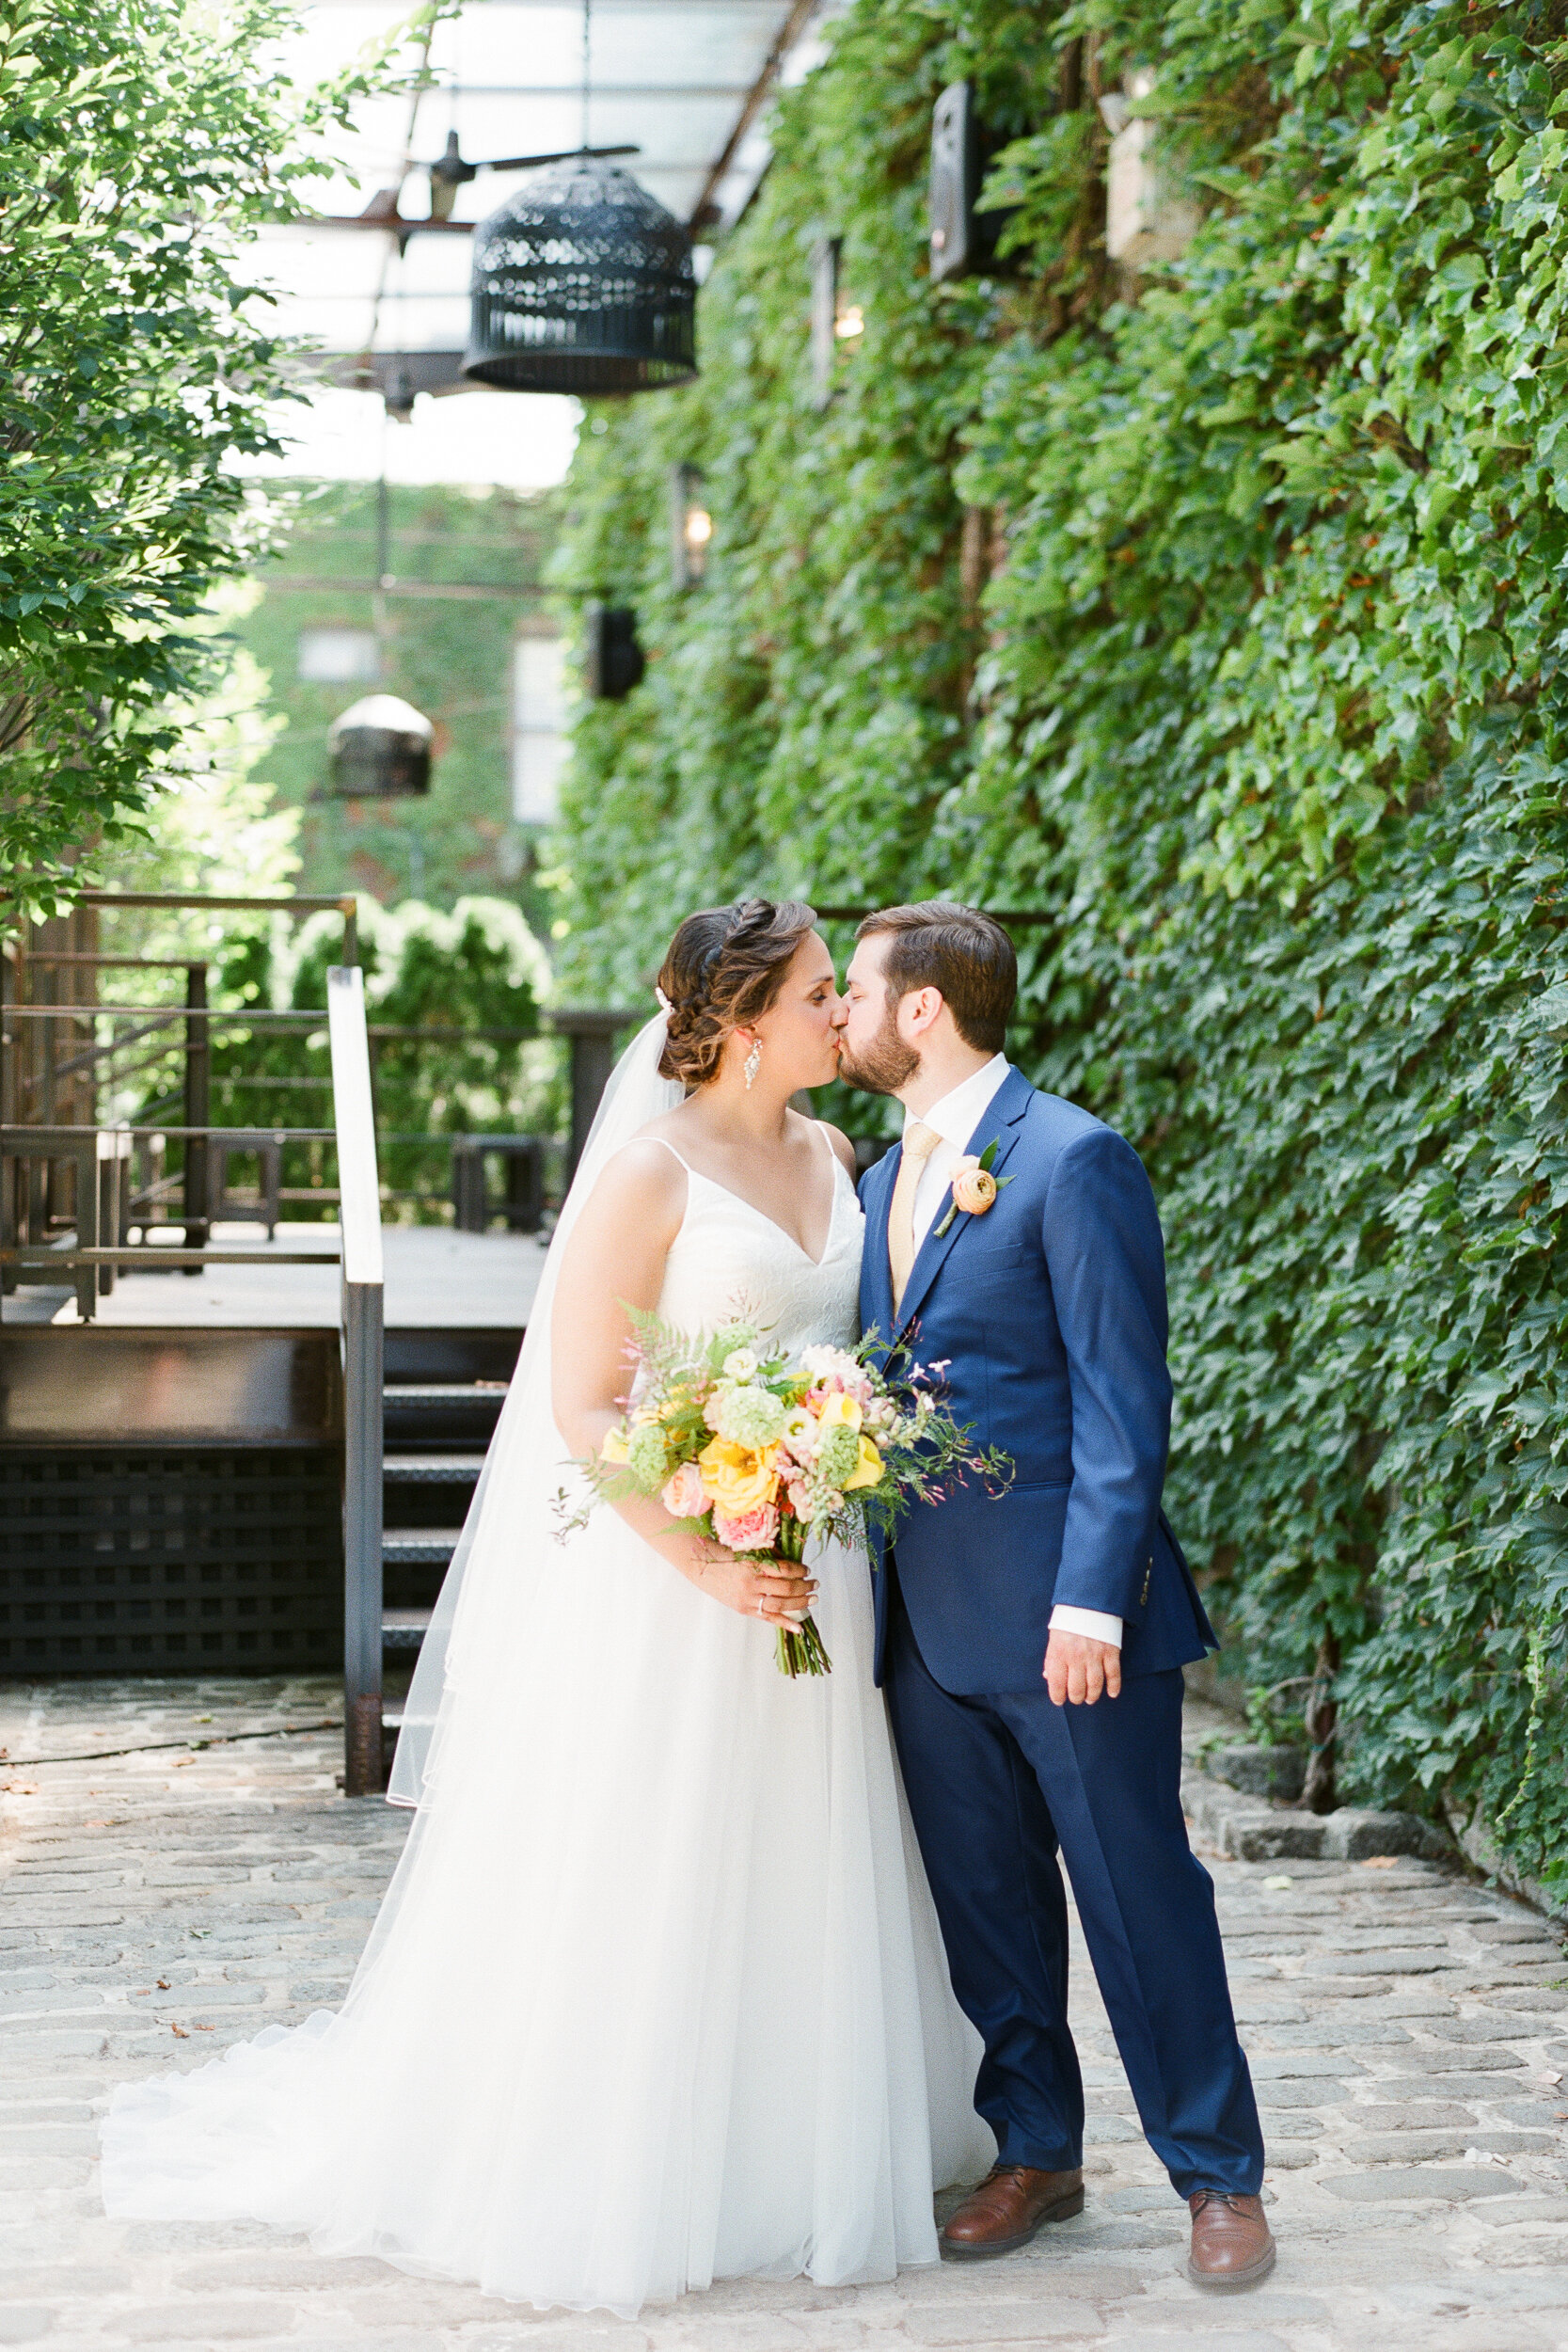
360	1233
250	1016
137	1255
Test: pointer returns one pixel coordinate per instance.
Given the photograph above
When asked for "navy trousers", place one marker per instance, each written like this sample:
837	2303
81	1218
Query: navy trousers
996	1786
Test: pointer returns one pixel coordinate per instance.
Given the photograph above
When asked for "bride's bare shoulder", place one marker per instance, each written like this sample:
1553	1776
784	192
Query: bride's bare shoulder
639	1190
648	1165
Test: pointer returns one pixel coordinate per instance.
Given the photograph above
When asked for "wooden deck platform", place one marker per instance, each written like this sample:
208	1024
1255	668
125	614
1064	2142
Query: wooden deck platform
437	1280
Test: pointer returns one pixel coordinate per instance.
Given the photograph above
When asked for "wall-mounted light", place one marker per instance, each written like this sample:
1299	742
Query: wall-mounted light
691	527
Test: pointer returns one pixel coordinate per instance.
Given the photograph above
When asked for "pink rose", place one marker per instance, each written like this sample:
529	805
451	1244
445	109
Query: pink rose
683	1495
751	1531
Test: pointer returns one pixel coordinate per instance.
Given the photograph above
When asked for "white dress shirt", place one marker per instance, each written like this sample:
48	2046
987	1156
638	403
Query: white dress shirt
954	1118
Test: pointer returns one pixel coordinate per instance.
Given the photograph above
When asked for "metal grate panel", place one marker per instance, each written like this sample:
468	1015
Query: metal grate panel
157	1561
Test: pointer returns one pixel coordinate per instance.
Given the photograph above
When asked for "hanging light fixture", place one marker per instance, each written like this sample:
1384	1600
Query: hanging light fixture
582	282
379	750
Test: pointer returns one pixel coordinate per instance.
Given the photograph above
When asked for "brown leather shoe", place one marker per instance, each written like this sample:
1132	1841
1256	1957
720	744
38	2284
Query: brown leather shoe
1012	2204
1233	2244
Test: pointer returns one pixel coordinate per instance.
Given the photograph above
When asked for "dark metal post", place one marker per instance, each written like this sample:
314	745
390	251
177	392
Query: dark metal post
114	1198
362	1572
89	1234
468	1185
359	1216
198	1086
593	1033
12	1176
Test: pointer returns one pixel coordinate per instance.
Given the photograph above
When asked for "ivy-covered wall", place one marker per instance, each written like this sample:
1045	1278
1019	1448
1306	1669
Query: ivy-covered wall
450	656
1217	617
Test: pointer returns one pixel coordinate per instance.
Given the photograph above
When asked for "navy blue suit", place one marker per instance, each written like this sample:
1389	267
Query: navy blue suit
1048	1314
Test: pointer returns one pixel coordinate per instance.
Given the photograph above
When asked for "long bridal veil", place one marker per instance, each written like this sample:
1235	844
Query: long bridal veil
560	2070
507	1536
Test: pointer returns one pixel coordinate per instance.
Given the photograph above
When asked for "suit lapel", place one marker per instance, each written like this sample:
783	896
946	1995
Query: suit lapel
878	1195
1003	1119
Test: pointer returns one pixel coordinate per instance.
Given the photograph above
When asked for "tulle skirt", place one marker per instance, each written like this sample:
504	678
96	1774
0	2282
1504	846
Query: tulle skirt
656	1995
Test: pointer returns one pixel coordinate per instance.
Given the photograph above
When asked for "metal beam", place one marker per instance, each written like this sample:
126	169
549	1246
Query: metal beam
345	903
789	33
433	591
573	91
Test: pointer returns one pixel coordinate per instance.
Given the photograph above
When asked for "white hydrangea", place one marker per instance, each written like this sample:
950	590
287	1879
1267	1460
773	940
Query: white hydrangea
831	1363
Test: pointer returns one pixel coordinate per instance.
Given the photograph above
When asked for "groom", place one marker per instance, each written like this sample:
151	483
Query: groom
1031	1645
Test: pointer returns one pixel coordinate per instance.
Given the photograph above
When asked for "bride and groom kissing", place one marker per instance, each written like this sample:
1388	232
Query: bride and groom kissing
689	1971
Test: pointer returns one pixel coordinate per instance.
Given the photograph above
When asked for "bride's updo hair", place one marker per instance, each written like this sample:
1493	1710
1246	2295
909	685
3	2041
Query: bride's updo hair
724	967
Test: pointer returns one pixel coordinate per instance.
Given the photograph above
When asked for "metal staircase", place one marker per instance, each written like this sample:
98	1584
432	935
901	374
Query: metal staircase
433	1442
435	1435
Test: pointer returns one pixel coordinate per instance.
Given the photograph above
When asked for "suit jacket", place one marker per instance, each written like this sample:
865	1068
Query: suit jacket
1050	1312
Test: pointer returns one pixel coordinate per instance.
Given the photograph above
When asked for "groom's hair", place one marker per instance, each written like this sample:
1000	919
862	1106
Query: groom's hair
967	955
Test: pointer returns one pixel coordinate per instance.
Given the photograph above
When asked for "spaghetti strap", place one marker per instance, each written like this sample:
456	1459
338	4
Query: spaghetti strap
838	1167
668	1146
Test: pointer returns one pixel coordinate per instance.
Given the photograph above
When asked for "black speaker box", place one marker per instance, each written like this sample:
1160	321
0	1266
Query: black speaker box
614	662
963	242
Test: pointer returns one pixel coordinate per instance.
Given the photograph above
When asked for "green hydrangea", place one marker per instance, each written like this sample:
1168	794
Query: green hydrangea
838	1454
647	1460
746	1416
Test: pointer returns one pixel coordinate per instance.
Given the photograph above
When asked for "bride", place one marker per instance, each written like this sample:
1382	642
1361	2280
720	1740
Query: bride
656	1995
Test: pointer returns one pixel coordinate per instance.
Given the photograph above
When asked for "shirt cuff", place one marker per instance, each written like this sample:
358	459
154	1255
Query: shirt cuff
1092	1622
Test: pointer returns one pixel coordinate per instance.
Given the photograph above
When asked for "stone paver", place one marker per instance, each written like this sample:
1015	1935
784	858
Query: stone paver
1408	2030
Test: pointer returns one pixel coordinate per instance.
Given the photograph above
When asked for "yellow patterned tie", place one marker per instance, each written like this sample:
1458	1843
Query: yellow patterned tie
919	1141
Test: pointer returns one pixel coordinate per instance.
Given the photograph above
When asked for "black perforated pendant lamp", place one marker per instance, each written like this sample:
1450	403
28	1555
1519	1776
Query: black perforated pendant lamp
582	283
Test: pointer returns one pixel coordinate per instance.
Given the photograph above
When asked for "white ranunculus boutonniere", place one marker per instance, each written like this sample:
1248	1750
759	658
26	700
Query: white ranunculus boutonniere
975	1188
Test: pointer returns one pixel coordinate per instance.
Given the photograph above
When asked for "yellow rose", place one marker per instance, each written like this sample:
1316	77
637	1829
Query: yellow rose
738	1478
867	1470
614	1446
838	1407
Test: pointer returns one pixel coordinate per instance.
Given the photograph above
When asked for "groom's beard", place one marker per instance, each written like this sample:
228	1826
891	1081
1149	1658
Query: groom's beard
885	1065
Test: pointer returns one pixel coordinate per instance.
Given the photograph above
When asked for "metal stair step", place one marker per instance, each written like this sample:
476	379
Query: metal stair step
432	1470
445	1392
404	1629
418	1546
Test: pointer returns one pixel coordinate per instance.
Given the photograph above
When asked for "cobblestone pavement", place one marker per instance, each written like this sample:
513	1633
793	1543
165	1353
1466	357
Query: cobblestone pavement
1407	2028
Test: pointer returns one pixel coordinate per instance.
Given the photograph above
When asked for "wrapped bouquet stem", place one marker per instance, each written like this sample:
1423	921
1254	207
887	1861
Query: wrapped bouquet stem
800	1652
758	1450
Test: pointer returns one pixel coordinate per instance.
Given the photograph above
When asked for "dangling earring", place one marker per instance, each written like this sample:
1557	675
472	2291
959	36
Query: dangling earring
753	1064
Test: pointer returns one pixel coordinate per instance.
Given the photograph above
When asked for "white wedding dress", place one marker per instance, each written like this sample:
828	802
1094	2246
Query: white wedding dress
656	1995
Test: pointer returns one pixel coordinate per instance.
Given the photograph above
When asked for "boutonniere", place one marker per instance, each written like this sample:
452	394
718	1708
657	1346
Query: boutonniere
975	1188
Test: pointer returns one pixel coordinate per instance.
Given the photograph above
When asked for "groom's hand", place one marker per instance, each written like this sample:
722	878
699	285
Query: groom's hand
1077	1669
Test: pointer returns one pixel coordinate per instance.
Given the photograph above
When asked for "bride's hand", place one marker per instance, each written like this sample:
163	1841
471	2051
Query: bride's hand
780	1594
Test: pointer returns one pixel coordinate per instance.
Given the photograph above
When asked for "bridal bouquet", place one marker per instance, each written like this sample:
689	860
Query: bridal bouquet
757	1450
